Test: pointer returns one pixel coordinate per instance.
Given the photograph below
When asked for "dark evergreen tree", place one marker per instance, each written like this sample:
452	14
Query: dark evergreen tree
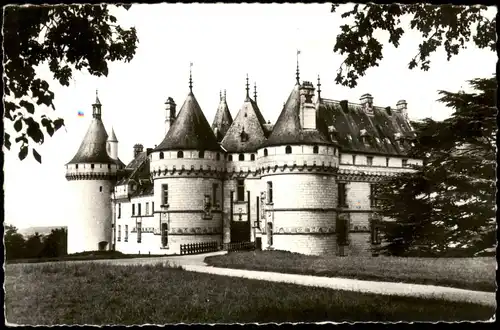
14	243
448	205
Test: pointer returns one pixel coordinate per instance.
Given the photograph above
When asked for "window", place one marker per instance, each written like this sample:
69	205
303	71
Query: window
373	200
315	149
76	166
404	162
133	209
269	192
92	166
265	152
109	166
353	159
119	210
369	160
100	188
240	191
270	233
387	162
147	208
139	232
241	157
375	232
164	234
230	158
217	156
180	154
288	150
162	155
126	234
215	187
252	157
165	194
342	196
119	236
138	208
201	154
342	231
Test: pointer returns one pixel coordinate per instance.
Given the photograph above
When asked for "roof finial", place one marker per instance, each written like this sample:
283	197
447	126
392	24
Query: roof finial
224	95
255	92
190	77
298	77
97	101
247	88
319	88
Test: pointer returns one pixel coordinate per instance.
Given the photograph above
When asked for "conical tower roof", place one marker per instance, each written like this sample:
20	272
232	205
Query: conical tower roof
247	131
112	137
93	147
190	130
288	130
222	120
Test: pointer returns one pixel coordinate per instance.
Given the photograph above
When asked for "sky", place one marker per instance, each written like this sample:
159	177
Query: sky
225	42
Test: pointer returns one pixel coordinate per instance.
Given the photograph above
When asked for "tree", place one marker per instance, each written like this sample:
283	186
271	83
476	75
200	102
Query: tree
34	246
55	244
14	243
448	26
66	38
448	204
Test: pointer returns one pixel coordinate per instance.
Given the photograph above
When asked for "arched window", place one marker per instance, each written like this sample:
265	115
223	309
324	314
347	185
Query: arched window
241	157
180	154
217	156
162	155
252	157
288	150
315	149
201	154
265	152
76	166
92	166
230	158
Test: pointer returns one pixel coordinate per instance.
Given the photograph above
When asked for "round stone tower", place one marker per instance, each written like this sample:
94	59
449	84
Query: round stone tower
187	169
92	173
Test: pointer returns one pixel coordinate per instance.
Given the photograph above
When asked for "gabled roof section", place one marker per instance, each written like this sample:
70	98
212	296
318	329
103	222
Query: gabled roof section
288	130
247	131
137	169
93	147
190	130
222	120
382	131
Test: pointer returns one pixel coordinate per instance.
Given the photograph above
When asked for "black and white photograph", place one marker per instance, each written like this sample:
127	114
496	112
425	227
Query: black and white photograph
223	163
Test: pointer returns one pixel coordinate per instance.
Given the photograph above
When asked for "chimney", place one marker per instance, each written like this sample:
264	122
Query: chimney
138	149
170	115
366	101
402	107
307	107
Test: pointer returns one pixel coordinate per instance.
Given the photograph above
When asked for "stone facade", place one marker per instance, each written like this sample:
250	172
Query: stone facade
288	192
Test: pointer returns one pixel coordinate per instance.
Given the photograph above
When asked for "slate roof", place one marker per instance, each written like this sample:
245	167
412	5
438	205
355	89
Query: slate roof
222	120
190	130
249	121
93	146
138	171
288	130
112	137
349	121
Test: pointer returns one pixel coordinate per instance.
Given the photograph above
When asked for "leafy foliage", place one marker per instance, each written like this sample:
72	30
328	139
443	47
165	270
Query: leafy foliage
448	26
448	203
66	38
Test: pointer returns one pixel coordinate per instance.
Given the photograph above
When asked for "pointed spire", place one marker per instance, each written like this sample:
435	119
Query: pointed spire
190	77
255	92
247	88
298	75
96	107
112	137
319	88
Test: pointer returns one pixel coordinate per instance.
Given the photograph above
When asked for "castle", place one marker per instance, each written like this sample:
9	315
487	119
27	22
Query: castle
304	184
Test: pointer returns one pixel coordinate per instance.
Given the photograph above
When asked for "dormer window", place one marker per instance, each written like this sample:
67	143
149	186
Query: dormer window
180	154
162	155
243	136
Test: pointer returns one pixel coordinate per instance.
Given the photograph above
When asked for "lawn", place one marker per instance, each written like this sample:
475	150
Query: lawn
91	293
88	255
466	273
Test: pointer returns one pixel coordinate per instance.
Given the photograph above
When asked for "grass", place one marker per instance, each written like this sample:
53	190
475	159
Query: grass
87	255
91	293
466	273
